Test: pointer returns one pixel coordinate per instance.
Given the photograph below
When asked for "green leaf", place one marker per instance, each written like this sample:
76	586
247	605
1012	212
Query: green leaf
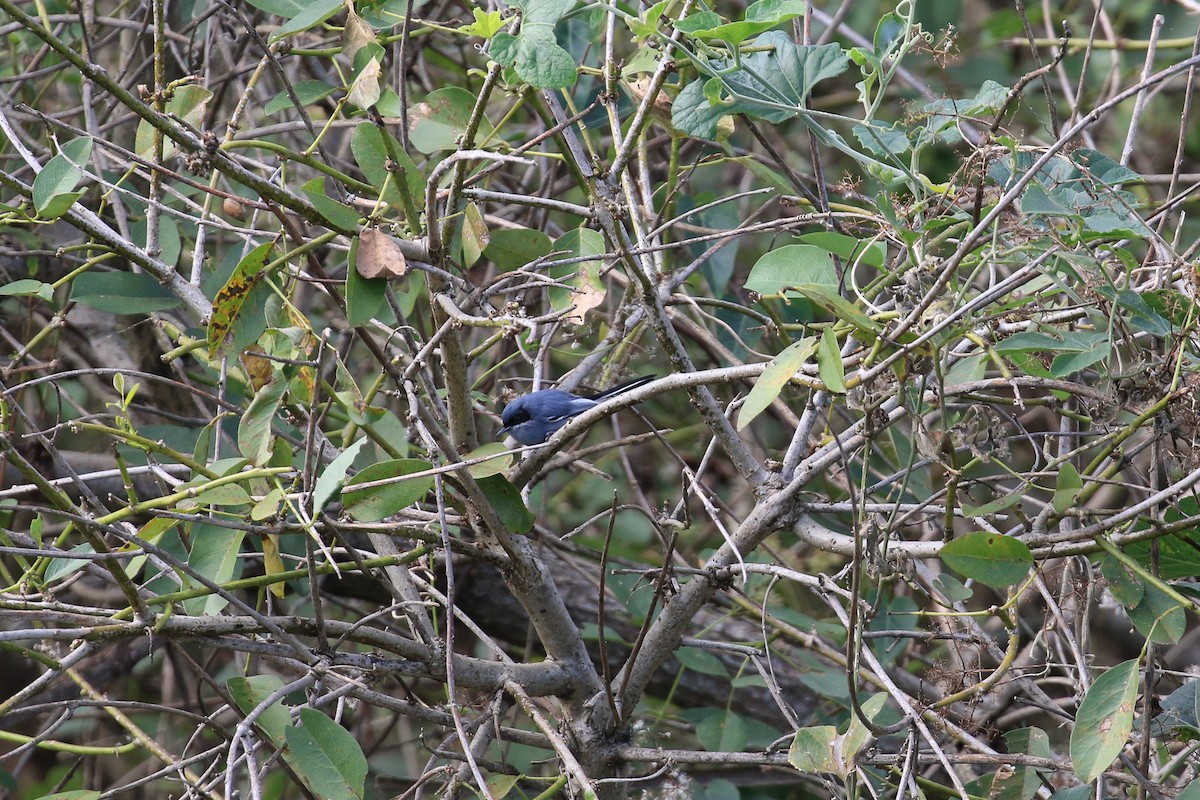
60	568
698	22
996	506
849	248
498	463
829	363
761	16
250	692
701	661
214	555
1034	342
326	757
54	187
226	494
169	241
307	92
371	504
187	103
1066	364
790	266
812	750
281	8
858	735
475	235
1104	720
499	786
990	558
1158	616
1067	487
1021	783
810	271
884	141
1126	589
27	287
503	49
1074	793
540	61
341	215
646	24
332	476
371	154
513	248
506	500
722	731
1081	187
952	588
945	114
535	53
81	794
770	84
313	13
441	120
122	292
486	25
772	380
578	285
254	435
366	298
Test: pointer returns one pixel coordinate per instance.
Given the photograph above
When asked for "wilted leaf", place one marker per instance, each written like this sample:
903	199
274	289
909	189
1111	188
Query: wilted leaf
365	90
379	255
356	34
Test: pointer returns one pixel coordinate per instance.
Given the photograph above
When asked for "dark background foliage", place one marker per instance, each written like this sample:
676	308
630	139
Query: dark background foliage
907	511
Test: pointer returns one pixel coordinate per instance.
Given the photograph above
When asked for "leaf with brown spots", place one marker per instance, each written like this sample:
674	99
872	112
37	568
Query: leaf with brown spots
227	306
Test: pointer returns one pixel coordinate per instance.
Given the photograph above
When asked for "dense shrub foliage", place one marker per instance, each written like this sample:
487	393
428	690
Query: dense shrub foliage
907	510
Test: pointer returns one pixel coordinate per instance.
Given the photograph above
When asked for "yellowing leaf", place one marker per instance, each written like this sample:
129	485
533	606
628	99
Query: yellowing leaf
365	90
774	378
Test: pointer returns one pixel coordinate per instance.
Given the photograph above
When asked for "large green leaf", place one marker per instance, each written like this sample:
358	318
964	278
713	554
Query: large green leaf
770	84
440	121
373	503
250	692
214	555
374	154
54	187
1104	720
790	266
513	248
535	53
722	731
122	292
760	17
327	757
991	558
506	500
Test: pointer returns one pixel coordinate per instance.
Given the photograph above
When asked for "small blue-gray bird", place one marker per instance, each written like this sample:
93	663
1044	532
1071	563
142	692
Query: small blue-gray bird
535	417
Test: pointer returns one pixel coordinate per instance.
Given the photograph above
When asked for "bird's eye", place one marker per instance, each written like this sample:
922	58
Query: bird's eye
517	417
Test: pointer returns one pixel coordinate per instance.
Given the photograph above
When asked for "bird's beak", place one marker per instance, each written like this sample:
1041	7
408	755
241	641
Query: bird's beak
503	431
